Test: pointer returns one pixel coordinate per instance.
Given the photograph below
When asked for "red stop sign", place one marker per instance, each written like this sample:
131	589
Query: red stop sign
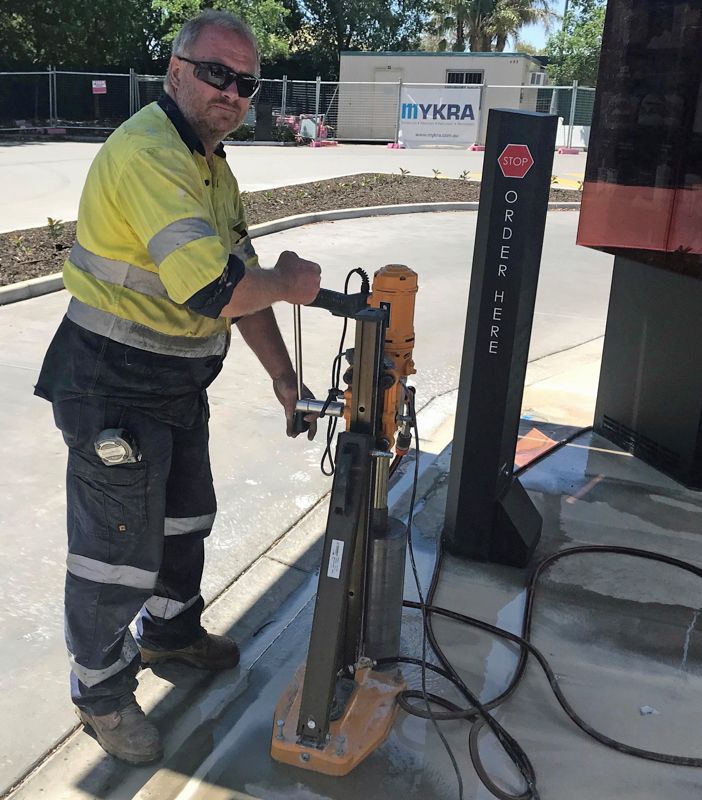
515	161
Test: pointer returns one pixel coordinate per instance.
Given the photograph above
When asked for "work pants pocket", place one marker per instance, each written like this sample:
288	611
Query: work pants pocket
108	502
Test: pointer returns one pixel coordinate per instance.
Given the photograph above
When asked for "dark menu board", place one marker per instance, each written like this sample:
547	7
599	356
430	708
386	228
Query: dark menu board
643	180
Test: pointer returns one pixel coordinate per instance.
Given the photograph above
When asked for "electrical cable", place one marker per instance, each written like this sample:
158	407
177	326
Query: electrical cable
335	391
479	712
440	554
424	665
528	648
394	464
509	744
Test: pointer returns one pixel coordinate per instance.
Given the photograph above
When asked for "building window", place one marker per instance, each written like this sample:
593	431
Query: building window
459	76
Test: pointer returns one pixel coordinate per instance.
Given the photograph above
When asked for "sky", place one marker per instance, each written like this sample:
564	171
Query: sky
536	34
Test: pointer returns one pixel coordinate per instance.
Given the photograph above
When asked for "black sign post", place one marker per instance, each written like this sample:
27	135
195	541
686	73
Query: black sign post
489	516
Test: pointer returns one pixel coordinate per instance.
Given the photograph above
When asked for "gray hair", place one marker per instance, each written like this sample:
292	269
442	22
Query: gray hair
191	30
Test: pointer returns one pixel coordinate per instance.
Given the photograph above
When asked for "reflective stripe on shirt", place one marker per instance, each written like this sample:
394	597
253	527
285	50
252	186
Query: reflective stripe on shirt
136	335
119	273
164	223
177	234
244	249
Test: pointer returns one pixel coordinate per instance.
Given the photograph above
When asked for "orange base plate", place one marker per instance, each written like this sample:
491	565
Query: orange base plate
365	724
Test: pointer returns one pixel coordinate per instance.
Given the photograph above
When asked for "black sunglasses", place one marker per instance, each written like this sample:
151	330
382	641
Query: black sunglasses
221	77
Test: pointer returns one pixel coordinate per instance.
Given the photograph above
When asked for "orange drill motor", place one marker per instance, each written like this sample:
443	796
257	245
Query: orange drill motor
396	285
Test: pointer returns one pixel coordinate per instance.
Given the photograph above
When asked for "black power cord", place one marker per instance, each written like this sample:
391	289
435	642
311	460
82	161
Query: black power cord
478	712
428	699
335	391
509	744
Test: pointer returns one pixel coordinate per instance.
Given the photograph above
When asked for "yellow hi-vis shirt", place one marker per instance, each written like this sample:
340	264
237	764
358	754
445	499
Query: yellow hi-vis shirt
161	239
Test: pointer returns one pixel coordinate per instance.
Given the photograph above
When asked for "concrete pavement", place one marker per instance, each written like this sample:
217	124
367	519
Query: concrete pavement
258	504
45	179
588	622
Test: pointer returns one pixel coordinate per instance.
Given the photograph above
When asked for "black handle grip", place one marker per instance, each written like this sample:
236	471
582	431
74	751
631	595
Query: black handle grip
340	304
300	424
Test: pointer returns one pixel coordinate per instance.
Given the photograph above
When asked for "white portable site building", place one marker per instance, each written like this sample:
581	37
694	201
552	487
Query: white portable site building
369	86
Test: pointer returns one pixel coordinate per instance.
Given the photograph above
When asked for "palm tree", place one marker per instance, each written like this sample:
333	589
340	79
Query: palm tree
484	25
461	23
509	16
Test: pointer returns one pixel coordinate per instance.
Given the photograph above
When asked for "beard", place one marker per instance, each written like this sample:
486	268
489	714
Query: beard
211	122
231	118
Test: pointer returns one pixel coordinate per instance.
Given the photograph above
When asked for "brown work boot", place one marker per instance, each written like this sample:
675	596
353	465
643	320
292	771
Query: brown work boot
210	652
125	734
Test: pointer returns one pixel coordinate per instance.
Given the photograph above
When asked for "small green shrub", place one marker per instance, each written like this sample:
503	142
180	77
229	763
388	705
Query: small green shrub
55	228
244	133
20	244
284	133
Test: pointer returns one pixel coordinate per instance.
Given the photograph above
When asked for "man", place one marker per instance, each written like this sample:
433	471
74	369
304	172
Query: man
161	266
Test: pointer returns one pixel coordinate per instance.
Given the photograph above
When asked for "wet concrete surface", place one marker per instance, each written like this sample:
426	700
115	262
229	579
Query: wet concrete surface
621	633
258	503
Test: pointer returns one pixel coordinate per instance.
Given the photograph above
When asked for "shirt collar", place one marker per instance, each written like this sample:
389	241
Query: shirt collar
187	134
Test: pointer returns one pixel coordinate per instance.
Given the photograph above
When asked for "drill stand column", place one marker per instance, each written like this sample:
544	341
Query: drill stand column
338	709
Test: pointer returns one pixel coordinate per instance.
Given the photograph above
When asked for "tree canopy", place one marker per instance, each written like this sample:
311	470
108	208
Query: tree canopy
574	52
79	33
294	35
138	33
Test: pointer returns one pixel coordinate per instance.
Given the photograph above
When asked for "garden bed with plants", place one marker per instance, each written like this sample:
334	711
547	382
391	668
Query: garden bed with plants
41	251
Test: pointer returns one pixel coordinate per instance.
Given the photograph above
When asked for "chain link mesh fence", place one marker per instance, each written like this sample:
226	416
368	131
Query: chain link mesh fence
24	99
92	100
147	88
283	110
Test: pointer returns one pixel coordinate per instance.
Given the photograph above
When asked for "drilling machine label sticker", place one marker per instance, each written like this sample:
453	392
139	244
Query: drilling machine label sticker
335	555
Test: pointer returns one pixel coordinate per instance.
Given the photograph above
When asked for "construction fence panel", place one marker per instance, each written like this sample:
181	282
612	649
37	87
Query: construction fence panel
147	88
582	116
25	99
368	111
266	107
92	99
573	106
302	114
517	98
299	110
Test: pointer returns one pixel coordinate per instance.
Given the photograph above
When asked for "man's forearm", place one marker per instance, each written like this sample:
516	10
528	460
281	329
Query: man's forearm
258	289
261	333
293	279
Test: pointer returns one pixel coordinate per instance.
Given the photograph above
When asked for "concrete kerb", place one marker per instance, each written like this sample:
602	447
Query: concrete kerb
25	290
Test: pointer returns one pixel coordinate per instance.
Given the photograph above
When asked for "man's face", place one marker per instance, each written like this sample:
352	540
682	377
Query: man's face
213	113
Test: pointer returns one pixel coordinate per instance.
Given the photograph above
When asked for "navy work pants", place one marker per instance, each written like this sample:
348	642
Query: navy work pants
135	545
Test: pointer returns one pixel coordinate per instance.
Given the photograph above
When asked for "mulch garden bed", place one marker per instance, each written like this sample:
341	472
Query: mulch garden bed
41	251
